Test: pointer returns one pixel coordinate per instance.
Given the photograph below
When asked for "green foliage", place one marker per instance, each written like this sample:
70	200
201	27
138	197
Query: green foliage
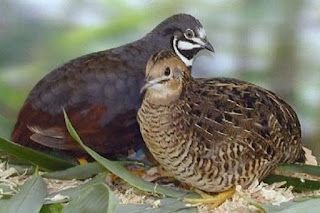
44	161
166	205
96	198
299	168
310	206
29	199
52	208
74	192
79	172
297	183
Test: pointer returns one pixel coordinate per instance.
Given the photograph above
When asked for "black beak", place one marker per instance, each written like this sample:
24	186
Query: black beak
208	46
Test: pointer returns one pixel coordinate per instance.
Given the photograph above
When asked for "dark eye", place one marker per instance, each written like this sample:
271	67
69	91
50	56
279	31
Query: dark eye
189	33
167	71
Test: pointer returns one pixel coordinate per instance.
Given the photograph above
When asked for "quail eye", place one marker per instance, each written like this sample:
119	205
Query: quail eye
189	33
167	71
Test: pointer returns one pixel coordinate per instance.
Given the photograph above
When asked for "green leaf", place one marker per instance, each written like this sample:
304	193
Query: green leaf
29	199
310	206
79	172
166	205
297	184
97	198
74	192
117	169
44	161
52	208
299	168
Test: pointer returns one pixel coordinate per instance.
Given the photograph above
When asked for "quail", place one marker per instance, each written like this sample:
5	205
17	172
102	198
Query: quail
100	92
214	134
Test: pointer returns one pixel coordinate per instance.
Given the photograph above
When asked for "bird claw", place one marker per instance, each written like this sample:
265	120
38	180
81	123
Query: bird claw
213	201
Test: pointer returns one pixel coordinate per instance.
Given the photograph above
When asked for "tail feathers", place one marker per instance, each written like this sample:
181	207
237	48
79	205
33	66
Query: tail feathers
53	138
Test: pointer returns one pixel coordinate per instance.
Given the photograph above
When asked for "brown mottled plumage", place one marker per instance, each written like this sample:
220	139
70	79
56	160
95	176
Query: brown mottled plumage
214	133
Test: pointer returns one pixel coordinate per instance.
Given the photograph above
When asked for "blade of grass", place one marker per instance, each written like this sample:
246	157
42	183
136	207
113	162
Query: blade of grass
44	161
117	169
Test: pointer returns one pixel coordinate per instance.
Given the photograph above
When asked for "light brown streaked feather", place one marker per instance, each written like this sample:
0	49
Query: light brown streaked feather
219	132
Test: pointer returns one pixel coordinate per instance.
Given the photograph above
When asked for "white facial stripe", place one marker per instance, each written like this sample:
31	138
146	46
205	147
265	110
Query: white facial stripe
198	41
184	59
184	45
202	33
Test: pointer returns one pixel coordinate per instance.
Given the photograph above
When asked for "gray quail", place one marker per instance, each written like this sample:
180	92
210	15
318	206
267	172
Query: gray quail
215	133
100	92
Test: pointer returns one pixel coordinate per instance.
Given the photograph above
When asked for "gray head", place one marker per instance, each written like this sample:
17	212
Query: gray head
186	34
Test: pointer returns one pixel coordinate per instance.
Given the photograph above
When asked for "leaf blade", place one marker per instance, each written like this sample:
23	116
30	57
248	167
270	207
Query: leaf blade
79	172
29	199
93	199
299	168
44	161
297	184
294	207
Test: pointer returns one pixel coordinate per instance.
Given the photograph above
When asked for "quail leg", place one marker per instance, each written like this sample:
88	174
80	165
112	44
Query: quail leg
213	200
82	160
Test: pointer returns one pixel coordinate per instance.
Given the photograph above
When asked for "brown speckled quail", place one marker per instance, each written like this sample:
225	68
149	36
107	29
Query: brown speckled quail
214	133
100	92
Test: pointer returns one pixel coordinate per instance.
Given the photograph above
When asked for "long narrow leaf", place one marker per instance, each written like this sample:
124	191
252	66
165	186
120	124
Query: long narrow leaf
44	161
29	199
79	172
121	172
166	205
297	184
310	206
300	168
74	192
97	198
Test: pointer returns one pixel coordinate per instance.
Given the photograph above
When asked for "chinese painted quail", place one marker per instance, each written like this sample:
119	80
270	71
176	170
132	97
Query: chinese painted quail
214	133
100	92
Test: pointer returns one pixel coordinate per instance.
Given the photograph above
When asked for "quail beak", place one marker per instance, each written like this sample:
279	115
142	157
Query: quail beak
207	45
151	82
145	87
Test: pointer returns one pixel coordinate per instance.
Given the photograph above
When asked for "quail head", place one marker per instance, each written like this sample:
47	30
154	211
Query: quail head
100	92
214	133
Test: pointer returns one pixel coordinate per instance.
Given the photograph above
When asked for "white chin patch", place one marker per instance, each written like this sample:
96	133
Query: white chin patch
184	45
188	62
161	90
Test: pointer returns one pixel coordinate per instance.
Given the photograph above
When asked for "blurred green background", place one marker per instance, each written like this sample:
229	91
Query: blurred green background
272	43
